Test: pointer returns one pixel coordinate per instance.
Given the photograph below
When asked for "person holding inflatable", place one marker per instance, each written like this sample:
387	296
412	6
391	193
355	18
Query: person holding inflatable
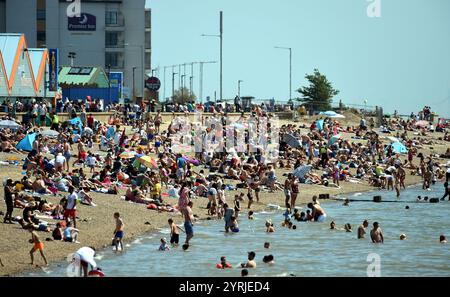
223	263
86	258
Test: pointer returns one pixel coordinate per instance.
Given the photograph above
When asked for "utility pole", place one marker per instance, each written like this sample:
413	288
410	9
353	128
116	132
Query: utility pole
173	83
191	79
200	94
239	88
221	56
134	85
290	68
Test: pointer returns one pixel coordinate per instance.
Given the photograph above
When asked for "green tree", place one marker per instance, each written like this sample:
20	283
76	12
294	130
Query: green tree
183	95
318	95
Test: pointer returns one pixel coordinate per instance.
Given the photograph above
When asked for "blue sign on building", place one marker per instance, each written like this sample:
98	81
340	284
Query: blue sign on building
116	79
53	67
85	22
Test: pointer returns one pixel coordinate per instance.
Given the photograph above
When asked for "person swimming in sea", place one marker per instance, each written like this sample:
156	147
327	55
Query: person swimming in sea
250	215
163	246
234	227
269	227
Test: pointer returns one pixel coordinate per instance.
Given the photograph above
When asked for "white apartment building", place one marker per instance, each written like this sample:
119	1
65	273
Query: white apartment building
114	34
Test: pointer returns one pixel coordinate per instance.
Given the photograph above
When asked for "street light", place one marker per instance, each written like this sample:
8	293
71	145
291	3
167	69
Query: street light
173	84
221	47
183	76
290	68
239	88
134	86
141	47
109	83
71	56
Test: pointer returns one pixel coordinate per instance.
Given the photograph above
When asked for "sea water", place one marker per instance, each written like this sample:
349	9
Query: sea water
310	250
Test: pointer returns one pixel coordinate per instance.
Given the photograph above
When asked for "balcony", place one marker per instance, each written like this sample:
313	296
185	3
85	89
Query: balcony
115	24
115	48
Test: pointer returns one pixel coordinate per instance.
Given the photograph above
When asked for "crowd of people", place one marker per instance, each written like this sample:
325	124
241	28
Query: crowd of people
83	155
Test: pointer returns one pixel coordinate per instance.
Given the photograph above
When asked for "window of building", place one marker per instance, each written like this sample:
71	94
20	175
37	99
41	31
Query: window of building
40	14
147	60
148	18
111	18
147	40
111	39
111	59
40	35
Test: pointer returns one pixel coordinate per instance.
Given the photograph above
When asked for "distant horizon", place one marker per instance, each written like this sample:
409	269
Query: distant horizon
399	61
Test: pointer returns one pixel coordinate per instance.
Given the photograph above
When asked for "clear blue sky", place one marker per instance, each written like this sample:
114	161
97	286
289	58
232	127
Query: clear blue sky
399	61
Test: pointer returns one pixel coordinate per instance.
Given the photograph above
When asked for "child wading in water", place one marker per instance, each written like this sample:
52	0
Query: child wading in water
37	245
174	234
163	246
118	232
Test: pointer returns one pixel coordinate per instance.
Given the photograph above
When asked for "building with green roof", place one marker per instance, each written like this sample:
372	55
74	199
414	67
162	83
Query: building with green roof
82	77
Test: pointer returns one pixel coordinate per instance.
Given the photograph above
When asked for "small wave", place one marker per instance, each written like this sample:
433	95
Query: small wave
164	231
284	274
357	194
99	257
137	241
47	270
127	245
266	212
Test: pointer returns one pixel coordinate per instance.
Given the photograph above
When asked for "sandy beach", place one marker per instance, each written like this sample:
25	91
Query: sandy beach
96	224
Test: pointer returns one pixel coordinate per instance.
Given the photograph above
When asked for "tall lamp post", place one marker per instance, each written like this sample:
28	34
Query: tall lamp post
72	56
109	83
141	47
134	86
221	51
290	68
173	84
239	88
183	76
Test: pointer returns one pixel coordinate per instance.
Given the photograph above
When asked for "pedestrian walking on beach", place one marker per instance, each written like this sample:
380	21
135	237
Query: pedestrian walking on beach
37	245
70	209
118	232
9	200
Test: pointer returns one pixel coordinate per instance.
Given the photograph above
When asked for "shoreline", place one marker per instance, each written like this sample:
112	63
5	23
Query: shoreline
256	207
95	222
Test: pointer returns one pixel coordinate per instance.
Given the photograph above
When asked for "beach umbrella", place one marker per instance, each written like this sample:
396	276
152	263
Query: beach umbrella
9	124
50	133
334	138
421	124
301	171
291	140
148	162
127	155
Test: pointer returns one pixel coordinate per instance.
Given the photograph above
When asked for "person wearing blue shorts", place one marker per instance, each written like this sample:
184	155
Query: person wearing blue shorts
188	224
118	232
